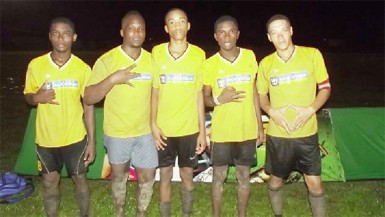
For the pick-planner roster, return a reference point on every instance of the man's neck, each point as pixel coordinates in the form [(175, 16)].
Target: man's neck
[(60, 58), (230, 55), (133, 52), (286, 54), (177, 48)]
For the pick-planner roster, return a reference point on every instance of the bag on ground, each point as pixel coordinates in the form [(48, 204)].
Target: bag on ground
[(14, 188)]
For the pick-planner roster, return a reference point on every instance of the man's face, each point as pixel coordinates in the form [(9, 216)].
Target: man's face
[(177, 25), (61, 36), (280, 33), (227, 35), (133, 31)]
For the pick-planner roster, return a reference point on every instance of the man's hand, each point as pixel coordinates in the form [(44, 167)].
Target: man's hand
[(261, 137), (45, 96), (124, 76), (230, 94), (158, 136), (89, 154), (201, 143), (303, 115), (278, 116)]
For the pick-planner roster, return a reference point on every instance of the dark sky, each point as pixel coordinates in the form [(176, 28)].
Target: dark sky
[(358, 25)]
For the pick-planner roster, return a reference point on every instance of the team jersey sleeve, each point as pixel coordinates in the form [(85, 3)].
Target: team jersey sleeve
[(31, 82), (321, 74), (254, 64), (200, 71), (99, 72), (155, 81), (262, 80), (87, 74), (207, 73)]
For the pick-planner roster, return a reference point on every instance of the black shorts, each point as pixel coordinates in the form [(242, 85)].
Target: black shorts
[(284, 155), (52, 159), (183, 147), (234, 153)]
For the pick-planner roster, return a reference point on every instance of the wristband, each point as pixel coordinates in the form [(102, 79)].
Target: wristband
[(216, 101)]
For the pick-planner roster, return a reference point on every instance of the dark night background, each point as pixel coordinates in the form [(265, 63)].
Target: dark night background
[(342, 26)]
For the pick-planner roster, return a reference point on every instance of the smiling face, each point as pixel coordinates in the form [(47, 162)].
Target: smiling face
[(133, 31), (61, 36), (177, 24), (280, 33), (226, 35)]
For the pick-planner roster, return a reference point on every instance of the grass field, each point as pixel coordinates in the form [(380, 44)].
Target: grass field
[(357, 80)]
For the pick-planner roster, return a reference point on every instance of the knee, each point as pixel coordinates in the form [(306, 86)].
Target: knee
[(219, 175), (274, 186), (314, 185), (51, 181), (165, 174), (243, 182), (316, 192), (275, 183), (119, 177)]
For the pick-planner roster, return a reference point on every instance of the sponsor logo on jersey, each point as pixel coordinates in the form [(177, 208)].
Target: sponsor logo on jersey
[(233, 79), (143, 77), (288, 78), (62, 84), (165, 78)]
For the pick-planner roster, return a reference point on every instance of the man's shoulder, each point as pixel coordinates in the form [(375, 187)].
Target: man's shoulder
[(159, 47), (79, 61), (197, 49), (306, 49), (110, 53), (40, 59), (268, 58), (212, 59)]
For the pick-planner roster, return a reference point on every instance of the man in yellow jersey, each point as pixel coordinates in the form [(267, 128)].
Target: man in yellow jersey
[(127, 132), (236, 130), (177, 109), (287, 83), (55, 83)]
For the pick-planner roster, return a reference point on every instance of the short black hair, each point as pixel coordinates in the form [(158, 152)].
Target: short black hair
[(174, 9), (63, 20), (223, 19), (131, 13), (276, 17)]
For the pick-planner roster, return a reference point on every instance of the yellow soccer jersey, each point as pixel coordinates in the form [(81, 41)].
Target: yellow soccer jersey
[(233, 122), (178, 81), (293, 82), (59, 125), (126, 108)]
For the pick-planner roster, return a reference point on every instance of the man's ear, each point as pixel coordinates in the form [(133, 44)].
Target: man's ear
[(121, 33), (268, 37), (165, 28), (75, 37)]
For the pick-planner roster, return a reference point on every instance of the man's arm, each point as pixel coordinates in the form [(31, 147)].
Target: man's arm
[(94, 93), (305, 113), (201, 141), (41, 96), (208, 98), (228, 94), (277, 115), (89, 118), (156, 131), (259, 115)]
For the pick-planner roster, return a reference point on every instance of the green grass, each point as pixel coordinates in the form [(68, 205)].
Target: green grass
[(345, 199)]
